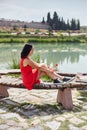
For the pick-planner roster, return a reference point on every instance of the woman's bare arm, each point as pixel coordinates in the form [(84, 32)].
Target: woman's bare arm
[(29, 61)]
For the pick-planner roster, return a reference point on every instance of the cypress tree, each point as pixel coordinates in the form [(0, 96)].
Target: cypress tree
[(73, 24), (68, 24), (58, 23), (48, 18), (78, 25), (55, 21), (43, 21), (62, 24)]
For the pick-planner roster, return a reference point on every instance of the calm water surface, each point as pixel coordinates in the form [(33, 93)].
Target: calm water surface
[(71, 57)]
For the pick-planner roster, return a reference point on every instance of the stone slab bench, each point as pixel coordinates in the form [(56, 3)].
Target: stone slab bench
[(64, 95)]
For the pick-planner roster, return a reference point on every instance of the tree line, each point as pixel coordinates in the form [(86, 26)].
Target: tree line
[(58, 23)]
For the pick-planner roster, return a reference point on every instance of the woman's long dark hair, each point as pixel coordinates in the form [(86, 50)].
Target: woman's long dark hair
[(25, 51)]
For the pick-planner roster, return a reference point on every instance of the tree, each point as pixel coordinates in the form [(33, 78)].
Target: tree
[(73, 24), (78, 25), (62, 24), (15, 27), (55, 21), (50, 30), (25, 27), (68, 24), (43, 21), (59, 24), (48, 18)]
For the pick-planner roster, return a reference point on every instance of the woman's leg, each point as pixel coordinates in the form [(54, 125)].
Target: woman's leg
[(50, 73), (40, 74), (53, 75)]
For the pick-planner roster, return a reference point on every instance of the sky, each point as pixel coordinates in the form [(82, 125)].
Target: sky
[(35, 10)]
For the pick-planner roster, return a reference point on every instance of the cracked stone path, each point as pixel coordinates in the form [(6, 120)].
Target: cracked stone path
[(38, 110)]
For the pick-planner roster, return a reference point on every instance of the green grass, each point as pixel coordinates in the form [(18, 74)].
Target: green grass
[(7, 38), (15, 64)]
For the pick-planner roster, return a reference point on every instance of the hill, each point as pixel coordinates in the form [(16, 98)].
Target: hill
[(17, 23)]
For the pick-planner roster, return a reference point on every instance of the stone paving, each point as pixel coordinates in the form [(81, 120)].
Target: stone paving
[(38, 110)]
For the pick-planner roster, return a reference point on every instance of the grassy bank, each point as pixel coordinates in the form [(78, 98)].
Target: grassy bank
[(7, 38)]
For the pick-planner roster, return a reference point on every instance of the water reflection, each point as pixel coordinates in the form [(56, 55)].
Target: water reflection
[(70, 57), (60, 57)]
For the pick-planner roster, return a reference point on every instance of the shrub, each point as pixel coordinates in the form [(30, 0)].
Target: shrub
[(15, 64)]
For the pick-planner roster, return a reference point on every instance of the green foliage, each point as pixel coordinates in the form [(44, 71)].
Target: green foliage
[(43, 40), (36, 58), (8, 38), (58, 23), (25, 27), (15, 27), (46, 78), (60, 39), (15, 64), (37, 31)]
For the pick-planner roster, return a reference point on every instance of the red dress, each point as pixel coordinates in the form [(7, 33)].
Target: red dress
[(29, 75)]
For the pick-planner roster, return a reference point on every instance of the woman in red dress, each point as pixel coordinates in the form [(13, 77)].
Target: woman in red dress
[(32, 71)]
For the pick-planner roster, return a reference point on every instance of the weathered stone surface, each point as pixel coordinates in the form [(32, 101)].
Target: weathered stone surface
[(54, 125), (23, 125), (2, 111), (36, 128), (15, 128), (84, 117), (76, 120), (74, 128), (60, 118), (84, 127), (43, 113), (45, 118), (38, 110), (9, 115), (35, 122), (85, 107), (11, 122), (68, 115), (3, 126)]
